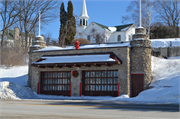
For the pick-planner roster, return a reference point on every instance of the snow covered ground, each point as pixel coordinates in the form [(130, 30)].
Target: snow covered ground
[(166, 76), (157, 43)]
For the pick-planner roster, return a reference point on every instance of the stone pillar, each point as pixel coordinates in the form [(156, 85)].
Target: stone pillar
[(16, 33), (75, 84), (38, 43), (141, 55)]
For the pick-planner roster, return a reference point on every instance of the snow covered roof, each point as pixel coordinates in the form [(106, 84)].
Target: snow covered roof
[(116, 28), (77, 59), (123, 27), (88, 46)]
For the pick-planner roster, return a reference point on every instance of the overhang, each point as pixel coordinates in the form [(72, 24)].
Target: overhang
[(77, 60)]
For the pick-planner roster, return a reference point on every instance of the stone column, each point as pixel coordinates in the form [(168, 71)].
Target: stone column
[(141, 55), (75, 83), (38, 43), (16, 33)]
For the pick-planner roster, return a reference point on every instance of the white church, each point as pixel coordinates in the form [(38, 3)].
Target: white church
[(98, 33)]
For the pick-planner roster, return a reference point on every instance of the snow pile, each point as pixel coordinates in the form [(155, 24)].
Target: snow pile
[(9, 90), (18, 75), (157, 43)]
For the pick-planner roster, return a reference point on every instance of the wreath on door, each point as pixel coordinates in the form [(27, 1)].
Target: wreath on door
[(75, 73)]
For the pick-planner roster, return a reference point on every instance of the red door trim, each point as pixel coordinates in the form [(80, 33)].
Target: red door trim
[(131, 81)]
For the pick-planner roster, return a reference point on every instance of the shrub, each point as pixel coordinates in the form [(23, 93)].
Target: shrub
[(81, 40)]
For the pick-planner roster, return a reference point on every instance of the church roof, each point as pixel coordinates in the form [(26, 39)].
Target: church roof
[(119, 28), (103, 26)]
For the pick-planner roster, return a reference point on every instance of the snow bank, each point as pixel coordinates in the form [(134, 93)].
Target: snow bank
[(166, 77), (18, 75), (157, 43), (9, 90)]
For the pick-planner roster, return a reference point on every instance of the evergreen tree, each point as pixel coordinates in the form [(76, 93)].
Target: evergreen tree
[(71, 29), (63, 19), (68, 25)]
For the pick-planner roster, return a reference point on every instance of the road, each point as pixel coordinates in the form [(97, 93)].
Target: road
[(51, 109)]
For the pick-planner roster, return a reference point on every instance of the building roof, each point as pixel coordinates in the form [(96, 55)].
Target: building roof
[(118, 28), (70, 60), (102, 26)]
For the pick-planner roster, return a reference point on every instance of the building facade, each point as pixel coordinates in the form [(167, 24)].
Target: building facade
[(105, 70)]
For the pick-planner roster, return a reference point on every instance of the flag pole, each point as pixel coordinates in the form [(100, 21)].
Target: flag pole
[(140, 14), (39, 22)]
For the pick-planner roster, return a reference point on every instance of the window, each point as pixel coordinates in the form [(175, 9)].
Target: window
[(83, 22), (86, 22), (119, 38), (80, 22), (89, 37), (129, 37)]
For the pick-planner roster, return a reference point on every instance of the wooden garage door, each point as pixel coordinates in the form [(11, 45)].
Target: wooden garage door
[(137, 84), (100, 83), (55, 83)]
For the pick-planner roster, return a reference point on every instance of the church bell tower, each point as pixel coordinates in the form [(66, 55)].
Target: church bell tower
[(83, 16)]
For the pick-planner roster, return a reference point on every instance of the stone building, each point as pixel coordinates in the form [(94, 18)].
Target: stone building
[(92, 70)]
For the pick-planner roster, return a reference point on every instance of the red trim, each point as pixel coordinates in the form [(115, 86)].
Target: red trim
[(118, 89), (79, 89), (131, 81), (37, 88), (70, 88)]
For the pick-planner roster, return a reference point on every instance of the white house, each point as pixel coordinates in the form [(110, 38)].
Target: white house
[(15, 35), (96, 32)]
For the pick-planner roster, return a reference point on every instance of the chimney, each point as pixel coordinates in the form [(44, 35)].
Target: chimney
[(16, 33)]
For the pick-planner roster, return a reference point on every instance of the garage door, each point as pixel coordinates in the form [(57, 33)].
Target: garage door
[(55, 83), (100, 83)]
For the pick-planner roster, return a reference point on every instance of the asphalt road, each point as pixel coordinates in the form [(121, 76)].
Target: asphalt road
[(42, 109)]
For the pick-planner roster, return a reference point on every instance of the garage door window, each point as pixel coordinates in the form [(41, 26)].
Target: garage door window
[(100, 81), (55, 83)]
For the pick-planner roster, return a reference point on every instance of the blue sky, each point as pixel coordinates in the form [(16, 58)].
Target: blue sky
[(106, 12)]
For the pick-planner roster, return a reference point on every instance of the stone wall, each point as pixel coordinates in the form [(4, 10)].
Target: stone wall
[(123, 69), (166, 51)]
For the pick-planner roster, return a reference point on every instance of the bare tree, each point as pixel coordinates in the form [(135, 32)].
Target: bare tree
[(48, 38), (98, 37), (9, 13), (30, 15), (148, 12), (169, 14)]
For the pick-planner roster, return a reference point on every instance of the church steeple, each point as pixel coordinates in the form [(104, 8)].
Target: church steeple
[(84, 16)]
